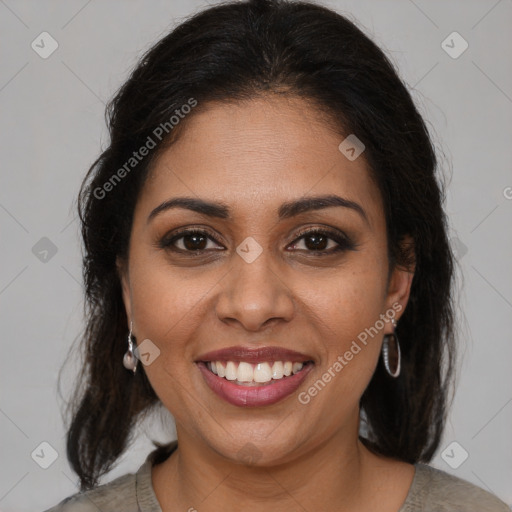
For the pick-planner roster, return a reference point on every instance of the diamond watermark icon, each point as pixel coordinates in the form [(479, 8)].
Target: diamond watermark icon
[(44, 250), (351, 147), (459, 248), (454, 45), (146, 352), (249, 249), (44, 45), (454, 455), (248, 454), (44, 455)]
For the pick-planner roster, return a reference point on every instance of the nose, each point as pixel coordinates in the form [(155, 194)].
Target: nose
[(254, 295)]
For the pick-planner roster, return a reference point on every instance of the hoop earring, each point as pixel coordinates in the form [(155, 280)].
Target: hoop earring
[(391, 352), (129, 359)]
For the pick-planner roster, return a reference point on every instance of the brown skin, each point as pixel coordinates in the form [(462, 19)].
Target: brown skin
[(254, 156)]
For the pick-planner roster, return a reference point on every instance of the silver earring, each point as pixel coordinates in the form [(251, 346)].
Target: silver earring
[(129, 359), (391, 353)]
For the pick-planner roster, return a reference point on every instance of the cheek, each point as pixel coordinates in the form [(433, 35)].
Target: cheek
[(344, 320), (164, 298), (350, 297), (347, 309), (163, 308)]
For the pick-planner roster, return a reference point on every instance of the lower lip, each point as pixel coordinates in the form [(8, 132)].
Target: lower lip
[(253, 396)]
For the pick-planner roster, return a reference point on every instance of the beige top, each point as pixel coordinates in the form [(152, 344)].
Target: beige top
[(432, 490)]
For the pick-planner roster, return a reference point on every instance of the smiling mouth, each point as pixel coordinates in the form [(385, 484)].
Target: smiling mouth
[(262, 373)]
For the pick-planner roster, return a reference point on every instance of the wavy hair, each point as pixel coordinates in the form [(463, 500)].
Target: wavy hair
[(232, 52)]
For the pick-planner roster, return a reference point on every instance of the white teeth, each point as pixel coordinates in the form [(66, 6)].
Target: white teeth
[(277, 370), (244, 372), (262, 373), (221, 369), (231, 370), (296, 367)]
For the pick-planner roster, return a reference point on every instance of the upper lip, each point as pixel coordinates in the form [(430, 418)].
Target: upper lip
[(254, 355)]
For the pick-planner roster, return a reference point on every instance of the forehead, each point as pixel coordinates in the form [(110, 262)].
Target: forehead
[(256, 154)]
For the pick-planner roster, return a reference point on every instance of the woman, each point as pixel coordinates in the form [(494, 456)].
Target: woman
[(266, 257)]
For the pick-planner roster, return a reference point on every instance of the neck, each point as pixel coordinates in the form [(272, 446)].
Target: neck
[(333, 474)]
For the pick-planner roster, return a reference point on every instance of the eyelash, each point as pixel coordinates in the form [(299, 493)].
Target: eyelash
[(344, 242)]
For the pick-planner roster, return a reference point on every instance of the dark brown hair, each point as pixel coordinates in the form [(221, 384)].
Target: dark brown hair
[(232, 52)]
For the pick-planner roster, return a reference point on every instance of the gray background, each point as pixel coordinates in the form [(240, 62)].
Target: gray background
[(53, 128)]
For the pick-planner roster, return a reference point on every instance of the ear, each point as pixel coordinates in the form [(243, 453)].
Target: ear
[(400, 282), (122, 272)]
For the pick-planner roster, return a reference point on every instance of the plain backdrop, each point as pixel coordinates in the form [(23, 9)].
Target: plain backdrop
[(52, 129)]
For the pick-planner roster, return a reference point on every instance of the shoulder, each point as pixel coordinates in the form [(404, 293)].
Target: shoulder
[(110, 497), (132, 492), (434, 490)]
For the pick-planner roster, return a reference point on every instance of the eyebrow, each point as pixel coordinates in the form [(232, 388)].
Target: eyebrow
[(286, 210)]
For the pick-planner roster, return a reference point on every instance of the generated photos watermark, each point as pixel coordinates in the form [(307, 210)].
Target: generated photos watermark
[(152, 140), (355, 348)]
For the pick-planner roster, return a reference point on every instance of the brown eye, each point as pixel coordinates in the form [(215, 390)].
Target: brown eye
[(323, 242), (190, 240), (194, 241), (314, 241)]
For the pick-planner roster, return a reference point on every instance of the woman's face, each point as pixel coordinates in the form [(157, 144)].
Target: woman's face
[(254, 280)]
